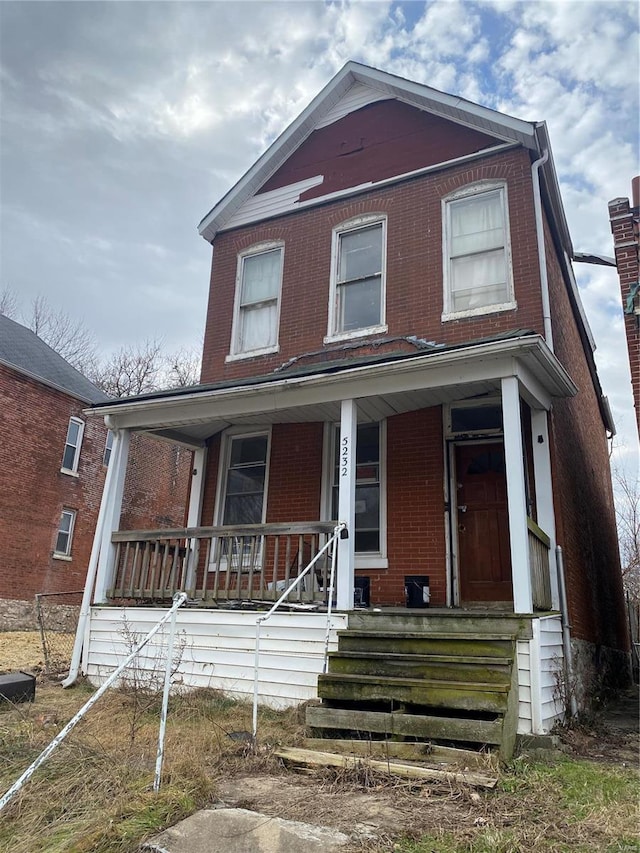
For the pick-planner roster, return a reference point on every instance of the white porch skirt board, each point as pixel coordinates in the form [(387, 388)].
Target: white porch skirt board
[(218, 648), (218, 652)]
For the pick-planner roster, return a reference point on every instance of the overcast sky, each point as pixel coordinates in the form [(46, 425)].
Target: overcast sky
[(123, 123)]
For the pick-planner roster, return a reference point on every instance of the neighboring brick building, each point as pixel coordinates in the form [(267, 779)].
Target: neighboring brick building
[(53, 461), (395, 339), (625, 227)]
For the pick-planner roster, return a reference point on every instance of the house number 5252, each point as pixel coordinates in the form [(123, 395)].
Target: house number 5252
[(344, 456)]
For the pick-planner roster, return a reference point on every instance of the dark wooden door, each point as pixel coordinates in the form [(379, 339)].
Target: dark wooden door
[(484, 553)]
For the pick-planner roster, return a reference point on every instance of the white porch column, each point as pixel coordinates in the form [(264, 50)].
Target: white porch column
[(196, 494), (110, 511), (544, 491), (516, 496), (347, 503)]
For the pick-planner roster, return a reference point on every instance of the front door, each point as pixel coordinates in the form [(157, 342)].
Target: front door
[(484, 558)]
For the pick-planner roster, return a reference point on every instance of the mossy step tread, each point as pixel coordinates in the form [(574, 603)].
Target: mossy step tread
[(470, 686), (424, 658), (398, 724), (427, 635)]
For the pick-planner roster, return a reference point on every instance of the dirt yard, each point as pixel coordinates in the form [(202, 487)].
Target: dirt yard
[(582, 798)]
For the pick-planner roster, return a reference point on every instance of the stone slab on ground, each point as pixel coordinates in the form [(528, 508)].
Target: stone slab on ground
[(226, 830)]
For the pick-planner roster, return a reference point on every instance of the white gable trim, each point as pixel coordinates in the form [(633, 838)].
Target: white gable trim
[(357, 97), (456, 109)]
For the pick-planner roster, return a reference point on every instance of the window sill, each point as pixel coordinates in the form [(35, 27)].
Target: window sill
[(477, 312), (375, 561), (255, 353), (69, 473), (64, 557), (355, 333)]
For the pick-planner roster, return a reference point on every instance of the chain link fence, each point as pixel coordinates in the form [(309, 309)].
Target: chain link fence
[(57, 615)]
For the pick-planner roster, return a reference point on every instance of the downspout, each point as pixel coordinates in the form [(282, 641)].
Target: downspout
[(542, 257), (85, 607), (566, 633)]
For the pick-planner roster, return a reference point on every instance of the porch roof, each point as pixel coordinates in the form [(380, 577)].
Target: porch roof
[(383, 385)]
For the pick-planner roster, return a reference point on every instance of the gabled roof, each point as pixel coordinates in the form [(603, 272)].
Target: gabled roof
[(325, 106), (25, 352)]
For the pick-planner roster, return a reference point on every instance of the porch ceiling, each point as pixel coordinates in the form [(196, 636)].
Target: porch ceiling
[(381, 389)]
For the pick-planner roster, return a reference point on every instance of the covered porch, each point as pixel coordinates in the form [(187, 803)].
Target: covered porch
[(478, 521)]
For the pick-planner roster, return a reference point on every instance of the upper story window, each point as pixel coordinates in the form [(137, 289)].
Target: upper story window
[(72, 445), (357, 298), (257, 302), (476, 252)]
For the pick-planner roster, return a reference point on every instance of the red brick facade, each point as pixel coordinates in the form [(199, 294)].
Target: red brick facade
[(416, 541), (33, 490), (625, 227)]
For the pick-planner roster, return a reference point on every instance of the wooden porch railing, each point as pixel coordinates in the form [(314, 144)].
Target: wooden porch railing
[(252, 562), (539, 544)]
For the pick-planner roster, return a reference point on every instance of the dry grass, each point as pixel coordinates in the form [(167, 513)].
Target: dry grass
[(21, 650)]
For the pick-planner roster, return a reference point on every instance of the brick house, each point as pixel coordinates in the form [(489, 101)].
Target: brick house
[(625, 227), (53, 462), (395, 342)]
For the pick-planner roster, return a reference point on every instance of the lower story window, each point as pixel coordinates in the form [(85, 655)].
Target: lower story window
[(367, 487), (65, 532), (243, 500)]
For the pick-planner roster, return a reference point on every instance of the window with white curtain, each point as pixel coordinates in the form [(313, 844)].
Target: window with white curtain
[(477, 262), (358, 278), (257, 301)]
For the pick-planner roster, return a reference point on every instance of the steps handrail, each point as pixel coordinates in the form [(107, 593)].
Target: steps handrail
[(178, 601), (337, 534)]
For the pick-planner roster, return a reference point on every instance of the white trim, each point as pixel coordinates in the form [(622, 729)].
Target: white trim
[(477, 188), (347, 504), (258, 249), (359, 223), (423, 97), (109, 514), (194, 512), (516, 496), (544, 492), (77, 446), (67, 558), (450, 433), (374, 560)]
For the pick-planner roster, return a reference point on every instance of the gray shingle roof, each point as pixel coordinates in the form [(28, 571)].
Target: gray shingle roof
[(23, 350)]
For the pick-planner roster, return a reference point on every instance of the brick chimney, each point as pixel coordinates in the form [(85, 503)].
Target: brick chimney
[(624, 220)]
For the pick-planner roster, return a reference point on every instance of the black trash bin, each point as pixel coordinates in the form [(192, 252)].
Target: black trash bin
[(416, 590)]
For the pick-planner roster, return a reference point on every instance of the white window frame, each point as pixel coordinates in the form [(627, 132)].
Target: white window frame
[(236, 353), (333, 333), (76, 456), (108, 447), (364, 559), (221, 487), (448, 201), (66, 554)]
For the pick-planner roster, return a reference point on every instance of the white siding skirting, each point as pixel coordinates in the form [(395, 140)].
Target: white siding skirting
[(541, 677), (217, 650)]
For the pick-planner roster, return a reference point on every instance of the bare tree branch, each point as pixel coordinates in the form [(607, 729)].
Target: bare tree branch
[(131, 370), (628, 520), (68, 337), (8, 303)]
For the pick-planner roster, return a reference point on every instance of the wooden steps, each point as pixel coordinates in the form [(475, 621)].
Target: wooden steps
[(406, 688)]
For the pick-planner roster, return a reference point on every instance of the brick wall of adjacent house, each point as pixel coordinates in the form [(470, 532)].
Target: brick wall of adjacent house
[(624, 221), (33, 490), (414, 267), (584, 507)]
